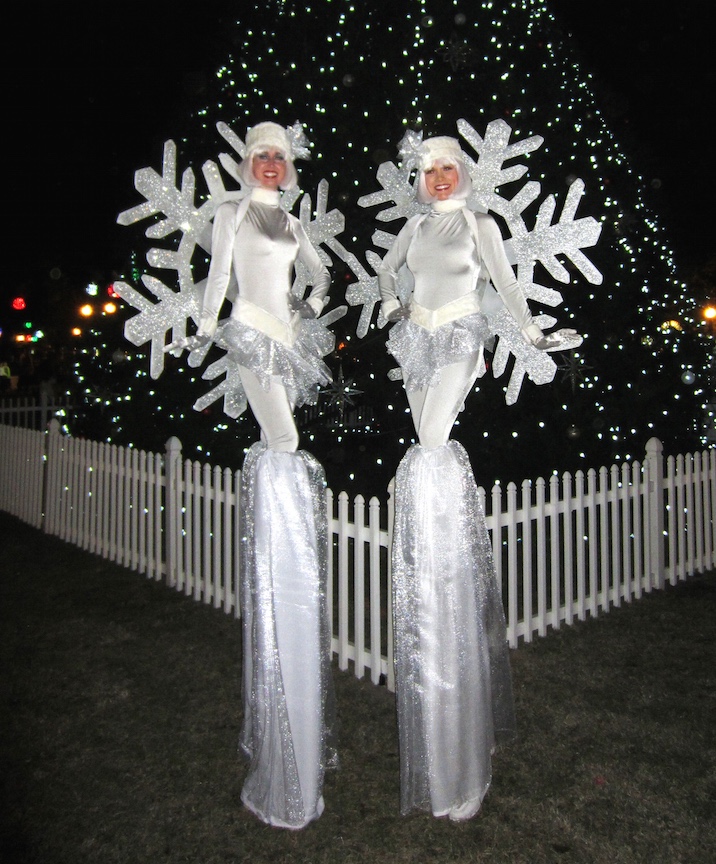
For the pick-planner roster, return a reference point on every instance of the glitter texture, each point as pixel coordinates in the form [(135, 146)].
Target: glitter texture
[(422, 353)]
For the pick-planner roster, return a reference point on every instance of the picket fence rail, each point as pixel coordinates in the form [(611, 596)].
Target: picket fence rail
[(565, 548), (32, 412)]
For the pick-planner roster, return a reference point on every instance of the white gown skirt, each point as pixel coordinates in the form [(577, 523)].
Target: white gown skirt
[(287, 731), (452, 667)]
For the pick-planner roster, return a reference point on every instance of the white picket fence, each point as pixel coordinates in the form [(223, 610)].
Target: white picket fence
[(565, 548), (32, 412)]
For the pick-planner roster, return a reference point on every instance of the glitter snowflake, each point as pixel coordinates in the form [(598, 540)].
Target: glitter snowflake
[(174, 305), (546, 241)]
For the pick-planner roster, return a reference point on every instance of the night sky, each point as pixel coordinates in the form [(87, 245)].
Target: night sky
[(92, 98)]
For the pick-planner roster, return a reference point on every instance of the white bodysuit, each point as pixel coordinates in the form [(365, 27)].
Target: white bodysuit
[(440, 346), (277, 351)]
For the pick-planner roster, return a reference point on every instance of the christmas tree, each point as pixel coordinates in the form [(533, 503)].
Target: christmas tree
[(358, 76)]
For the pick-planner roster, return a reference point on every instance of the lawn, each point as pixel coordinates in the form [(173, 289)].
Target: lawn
[(120, 706)]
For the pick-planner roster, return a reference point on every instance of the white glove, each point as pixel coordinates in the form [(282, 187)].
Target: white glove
[(559, 340), (399, 314), (303, 307), (186, 343)]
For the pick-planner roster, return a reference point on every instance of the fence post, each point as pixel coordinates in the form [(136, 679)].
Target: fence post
[(172, 506), (51, 492), (44, 409), (655, 461)]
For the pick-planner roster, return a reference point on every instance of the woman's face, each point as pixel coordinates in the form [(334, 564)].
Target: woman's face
[(441, 180), (269, 168)]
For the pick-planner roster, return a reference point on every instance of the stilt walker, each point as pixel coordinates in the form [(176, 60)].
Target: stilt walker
[(274, 342), (451, 656)]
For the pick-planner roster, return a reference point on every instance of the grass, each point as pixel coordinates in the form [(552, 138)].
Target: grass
[(120, 713)]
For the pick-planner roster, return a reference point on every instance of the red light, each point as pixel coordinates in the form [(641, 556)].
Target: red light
[(111, 291), (19, 303)]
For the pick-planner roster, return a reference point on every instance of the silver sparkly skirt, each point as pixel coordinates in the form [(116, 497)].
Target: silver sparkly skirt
[(299, 366), (422, 353)]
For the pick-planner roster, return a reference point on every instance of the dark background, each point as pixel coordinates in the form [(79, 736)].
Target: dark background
[(91, 97)]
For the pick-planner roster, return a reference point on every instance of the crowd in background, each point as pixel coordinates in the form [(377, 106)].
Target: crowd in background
[(33, 370)]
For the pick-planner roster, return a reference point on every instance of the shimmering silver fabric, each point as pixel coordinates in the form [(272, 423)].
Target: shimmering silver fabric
[(260, 248), (452, 667), (288, 727), (422, 353), (259, 245), (299, 366), (448, 261)]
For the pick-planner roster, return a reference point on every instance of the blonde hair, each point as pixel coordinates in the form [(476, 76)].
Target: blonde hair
[(464, 182)]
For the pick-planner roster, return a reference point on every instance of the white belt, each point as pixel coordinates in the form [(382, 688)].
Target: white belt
[(258, 318), (431, 319)]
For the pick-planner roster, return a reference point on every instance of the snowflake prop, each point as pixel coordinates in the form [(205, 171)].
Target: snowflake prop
[(545, 242), (172, 309)]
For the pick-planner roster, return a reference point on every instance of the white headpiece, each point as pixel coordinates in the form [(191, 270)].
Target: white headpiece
[(267, 135), (416, 153), (291, 141), (419, 154), (441, 147)]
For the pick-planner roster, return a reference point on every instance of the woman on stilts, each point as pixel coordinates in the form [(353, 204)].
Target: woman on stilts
[(451, 658), (276, 342)]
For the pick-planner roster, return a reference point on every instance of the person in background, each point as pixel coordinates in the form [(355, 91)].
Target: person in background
[(5, 377)]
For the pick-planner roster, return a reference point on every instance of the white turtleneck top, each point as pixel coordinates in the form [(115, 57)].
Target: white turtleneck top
[(262, 248)]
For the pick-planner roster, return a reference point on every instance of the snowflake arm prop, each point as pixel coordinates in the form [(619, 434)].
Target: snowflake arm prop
[(176, 203), (493, 151), (172, 312), (319, 230), (231, 388), (567, 237), (173, 309), (398, 188)]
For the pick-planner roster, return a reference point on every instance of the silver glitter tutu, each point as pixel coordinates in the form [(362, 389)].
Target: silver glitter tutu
[(289, 729), (453, 683), (421, 353), (299, 366)]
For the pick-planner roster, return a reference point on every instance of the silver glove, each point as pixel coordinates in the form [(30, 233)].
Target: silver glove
[(559, 340), (303, 307), (186, 343), (399, 314)]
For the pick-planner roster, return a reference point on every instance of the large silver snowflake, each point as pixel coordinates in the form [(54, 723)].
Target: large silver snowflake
[(545, 242), (175, 304)]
